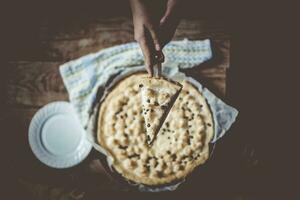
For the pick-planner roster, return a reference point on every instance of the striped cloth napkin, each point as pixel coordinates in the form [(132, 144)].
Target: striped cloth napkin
[(83, 76)]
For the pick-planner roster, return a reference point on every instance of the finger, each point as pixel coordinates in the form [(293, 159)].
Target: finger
[(159, 57), (155, 38), (171, 8), (148, 55), (166, 16)]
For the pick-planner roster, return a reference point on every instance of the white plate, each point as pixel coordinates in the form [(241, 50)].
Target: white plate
[(56, 136)]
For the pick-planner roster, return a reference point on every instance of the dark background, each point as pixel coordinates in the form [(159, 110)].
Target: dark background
[(262, 84)]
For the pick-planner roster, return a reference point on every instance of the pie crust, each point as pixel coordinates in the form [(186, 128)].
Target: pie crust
[(158, 96), (179, 147)]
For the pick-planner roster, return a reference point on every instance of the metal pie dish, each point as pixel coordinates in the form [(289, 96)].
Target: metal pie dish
[(102, 93)]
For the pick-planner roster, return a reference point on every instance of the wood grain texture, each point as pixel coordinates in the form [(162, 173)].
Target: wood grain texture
[(71, 40), (34, 84)]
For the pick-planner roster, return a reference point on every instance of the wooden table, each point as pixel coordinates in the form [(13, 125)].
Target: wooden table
[(33, 80)]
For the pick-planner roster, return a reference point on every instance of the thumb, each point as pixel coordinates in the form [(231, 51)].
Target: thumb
[(171, 11)]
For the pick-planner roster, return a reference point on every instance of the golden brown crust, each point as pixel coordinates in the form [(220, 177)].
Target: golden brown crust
[(180, 146), (157, 95)]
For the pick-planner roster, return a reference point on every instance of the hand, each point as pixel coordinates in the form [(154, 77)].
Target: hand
[(145, 31), (151, 31)]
